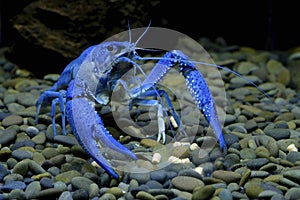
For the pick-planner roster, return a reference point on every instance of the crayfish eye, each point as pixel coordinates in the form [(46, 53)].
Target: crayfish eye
[(112, 49), (95, 70)]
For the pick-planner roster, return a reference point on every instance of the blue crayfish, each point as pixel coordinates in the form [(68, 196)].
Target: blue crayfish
[(90, 79)]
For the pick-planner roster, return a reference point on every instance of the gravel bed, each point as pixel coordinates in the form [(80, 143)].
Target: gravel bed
[(262, 130)]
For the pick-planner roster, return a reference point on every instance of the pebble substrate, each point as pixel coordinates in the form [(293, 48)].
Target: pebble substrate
[(263, 134)]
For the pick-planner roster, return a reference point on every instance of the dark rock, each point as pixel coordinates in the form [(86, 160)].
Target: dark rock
[(11, 185), (3, 172), (58, 31)]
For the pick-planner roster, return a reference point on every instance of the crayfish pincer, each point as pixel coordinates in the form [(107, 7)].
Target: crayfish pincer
[(91, 79)]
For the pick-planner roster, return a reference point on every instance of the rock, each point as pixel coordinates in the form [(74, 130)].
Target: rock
[(144, 196), (66, 177), (257, 163), (225, 194), (66, 195), (227, 176), (117, 192), (278, 133), (32, 190), (11, 185), (253, 189), (80, 194), (3, 172), (292, 193), (186, 183), (81, 183), (12, 120), (73, 31), (293, 174), (203, 193)]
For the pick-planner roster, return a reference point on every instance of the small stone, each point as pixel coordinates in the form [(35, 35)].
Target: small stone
[(293, 174), (66, 177), (66, 195), (253, 189), (149, 142), (32, 190), (257, 163), (144, 196), (51, 193), (11, 185), (186, 183), (81, 183), (203, 193), (262, 152), (227, 176), (17, 194), (32, 131), (225, 194), (247, 153), (245, 177), (3, 172), (159, 175), (46, 182), (93, 190), (39, 138), (12, 120), (80, 194), (107, 196), (21, 167), (117, 192), (22, 154), (292, 193), (278, 133), (140, 177), (293, 156)]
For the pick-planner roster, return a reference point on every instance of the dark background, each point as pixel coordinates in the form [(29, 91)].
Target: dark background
[(264, 24)]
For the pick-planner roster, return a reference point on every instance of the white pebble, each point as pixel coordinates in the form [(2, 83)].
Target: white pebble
[(174, 159), (185, 161), (173, 122), (292, 147), (194, 146), (199, 170), (156, 158)]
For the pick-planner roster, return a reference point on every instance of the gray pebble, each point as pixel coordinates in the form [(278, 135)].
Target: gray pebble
[(247, 153), (80, 194), (39, 138), (158, 175), (293, 174), (292, 194), (27, 99), (93, 190), (11, 185), (46, 182), (107, 196), (60, 185), (17, 194), (81, 183), (225, 195), (32, 131), (21, 154), (7, 136), (186, 183), (278, 133), (257, 163), (66, 139), (140, 177), (32, 190), (204, 192), (293, 156), (66, 195), (15, 107), (3, 172), (154, 184), (12, 120)]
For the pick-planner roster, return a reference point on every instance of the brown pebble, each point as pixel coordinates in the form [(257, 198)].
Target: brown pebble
[(227, 176), (12, 120)]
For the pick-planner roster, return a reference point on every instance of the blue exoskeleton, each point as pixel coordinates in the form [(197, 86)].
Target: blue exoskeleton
[(91, 77)]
